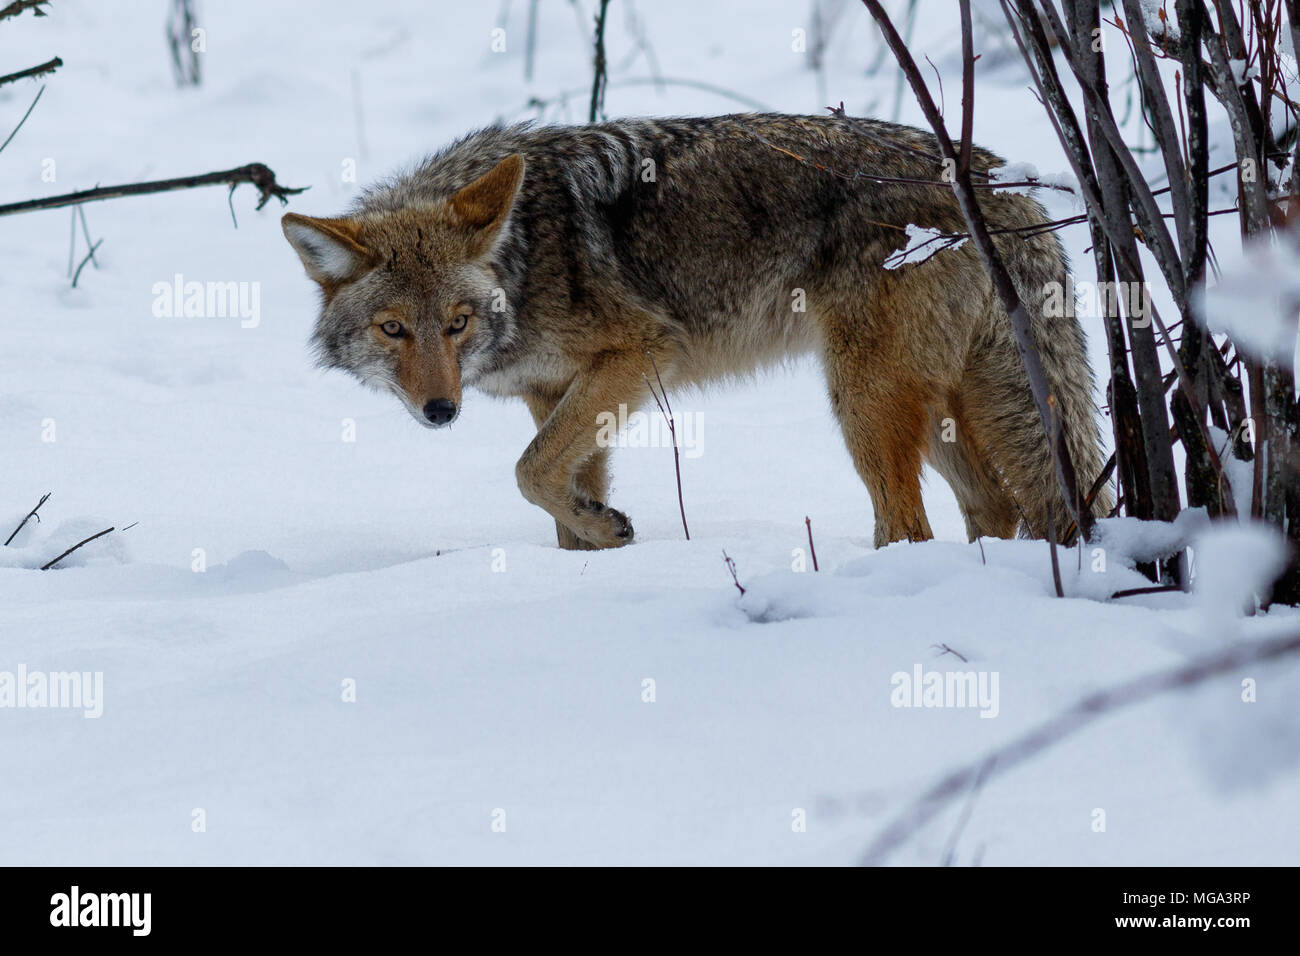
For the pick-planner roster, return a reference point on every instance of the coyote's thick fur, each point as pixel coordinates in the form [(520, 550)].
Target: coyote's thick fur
[(553, 264)]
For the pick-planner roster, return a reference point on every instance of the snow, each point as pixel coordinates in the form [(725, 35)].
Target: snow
[(1243, 72), (1233, 565), (922, 245), (1160, 19), (1256, 300), (335, 638)]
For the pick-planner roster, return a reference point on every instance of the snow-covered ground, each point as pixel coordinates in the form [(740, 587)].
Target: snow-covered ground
[(333, 637)]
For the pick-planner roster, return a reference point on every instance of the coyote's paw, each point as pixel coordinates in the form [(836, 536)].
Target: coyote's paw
[(598, 526)]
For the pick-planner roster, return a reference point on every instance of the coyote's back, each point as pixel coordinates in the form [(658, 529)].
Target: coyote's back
[(562, 264)]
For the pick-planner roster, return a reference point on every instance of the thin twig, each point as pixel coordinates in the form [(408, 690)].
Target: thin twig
[(666, 410), (945, 649), (601, 77), (31, 514), (811, 549), (85, 231), (731, 566), (89, 255), (24, 119)]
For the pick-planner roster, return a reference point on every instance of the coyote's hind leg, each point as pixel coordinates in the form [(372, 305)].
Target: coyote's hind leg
[(885, 420)]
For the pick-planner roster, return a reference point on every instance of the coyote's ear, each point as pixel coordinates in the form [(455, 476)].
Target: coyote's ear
[(485, 203), (329, 248)]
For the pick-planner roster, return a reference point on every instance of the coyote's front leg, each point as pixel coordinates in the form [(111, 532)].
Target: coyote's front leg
[(591, 480), (563, 469)]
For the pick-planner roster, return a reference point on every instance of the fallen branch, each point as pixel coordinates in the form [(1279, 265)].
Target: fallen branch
[(255, 174), (31, 71), (1084, 712), (30, 515), (1154, 589), (46, 567), (18, 6)]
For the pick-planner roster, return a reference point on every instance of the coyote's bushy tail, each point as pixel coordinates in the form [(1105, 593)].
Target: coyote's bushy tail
[(1039, 268)]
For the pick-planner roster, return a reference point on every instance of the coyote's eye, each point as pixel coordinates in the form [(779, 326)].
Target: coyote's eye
[(459, 321), (392, 327)]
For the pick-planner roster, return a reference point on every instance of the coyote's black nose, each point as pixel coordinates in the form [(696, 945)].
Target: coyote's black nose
[(440, 411)]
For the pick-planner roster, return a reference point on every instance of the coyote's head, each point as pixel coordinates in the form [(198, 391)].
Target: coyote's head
[(409, 294)]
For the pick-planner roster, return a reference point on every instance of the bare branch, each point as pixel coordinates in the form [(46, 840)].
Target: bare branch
[(1084, 712), (30, 515), (601, 67), (47, 67), (731, 566), (255, 174), (18, 6), (79, 544)]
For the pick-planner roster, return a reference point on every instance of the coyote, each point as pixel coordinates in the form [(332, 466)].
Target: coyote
[(565, 265)]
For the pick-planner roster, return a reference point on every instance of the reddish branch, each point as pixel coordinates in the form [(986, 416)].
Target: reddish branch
[(731, 566)]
